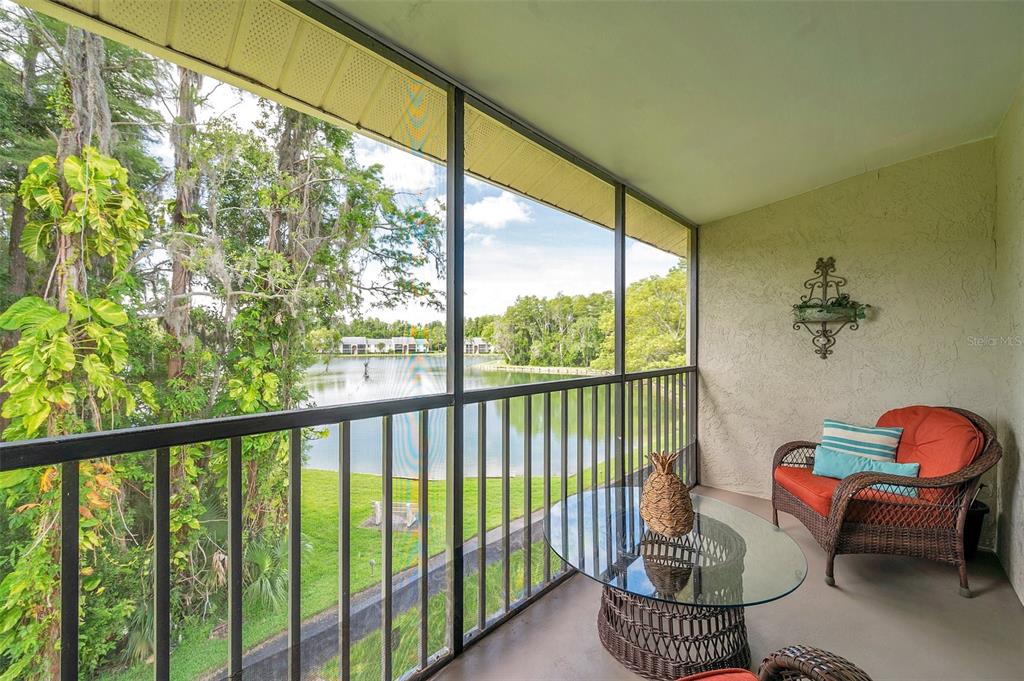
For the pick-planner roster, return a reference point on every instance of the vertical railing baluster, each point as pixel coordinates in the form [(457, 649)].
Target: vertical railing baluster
[(652, 397), (69, 570), (630, 433), (579, 476), (422, 523), (593, 473), (295, 556), (506, 544), (666, 411), (547, 484), (608, 467), (481, 516), (162, 564), (564, 396), (387, 522), (641, 454), (235, 559), (675, 411), (676, 421), (608, 436), (344, 553), (527, 496), (692, 469), (656, 398), (593, 438)]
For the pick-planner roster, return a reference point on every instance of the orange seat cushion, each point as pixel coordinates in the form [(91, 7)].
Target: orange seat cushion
[(722, 675), (814, 490), (940, 440)]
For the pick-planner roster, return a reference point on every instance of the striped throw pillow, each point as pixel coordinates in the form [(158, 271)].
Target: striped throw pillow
[(870, 442)]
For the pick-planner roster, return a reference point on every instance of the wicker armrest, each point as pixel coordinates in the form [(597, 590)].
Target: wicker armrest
[(793, 454), (795, 662), (850, 486)]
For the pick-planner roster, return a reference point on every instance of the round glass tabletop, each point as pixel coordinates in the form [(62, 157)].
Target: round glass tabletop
[(731, 558)]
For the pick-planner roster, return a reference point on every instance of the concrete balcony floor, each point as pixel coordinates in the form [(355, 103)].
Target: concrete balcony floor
[(898, 618)]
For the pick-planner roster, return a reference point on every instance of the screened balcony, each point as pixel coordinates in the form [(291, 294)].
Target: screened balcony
[(336, 337)]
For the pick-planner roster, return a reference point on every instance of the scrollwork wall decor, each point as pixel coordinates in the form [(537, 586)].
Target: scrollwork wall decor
[(825, 309)]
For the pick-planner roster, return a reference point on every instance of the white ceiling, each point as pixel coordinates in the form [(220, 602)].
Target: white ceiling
[(716, 108)]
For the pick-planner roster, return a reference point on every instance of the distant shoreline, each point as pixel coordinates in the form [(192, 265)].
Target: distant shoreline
[(496, 364)]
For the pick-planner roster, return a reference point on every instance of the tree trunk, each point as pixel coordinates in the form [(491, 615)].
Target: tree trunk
[(176, 317), (87, 116), (80, 122), (292, 144), (16, 263)]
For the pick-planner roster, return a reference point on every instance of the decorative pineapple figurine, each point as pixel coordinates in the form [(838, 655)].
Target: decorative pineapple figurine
[(665, 503)]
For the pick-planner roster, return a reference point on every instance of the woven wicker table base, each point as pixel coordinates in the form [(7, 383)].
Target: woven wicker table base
[(661, 640)]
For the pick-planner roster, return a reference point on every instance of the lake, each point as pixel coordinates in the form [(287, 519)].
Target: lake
[(344, 380)]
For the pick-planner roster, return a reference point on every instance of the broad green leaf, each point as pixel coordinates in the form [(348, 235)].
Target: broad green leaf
[(76, 308), (12, 478), (27, 313), (10, 618), (43, 166), (148, 393), (34, 240), (61, 353), (55, 323), (74, 173), (35, 420), (109, 311), (104, 165)]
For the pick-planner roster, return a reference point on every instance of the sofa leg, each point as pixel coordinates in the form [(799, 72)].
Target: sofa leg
[(829, 566), (775, 516), (965, 589)]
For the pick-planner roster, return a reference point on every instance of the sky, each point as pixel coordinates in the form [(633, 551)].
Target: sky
[(514, 246)]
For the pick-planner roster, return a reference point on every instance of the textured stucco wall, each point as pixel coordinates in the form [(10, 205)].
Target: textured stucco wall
[(915, 240), (1009, 279)]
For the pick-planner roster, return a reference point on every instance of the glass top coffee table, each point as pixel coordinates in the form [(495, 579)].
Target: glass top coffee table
[(674, 606)]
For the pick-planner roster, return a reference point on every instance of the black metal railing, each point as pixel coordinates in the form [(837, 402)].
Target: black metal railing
[(629, 415)]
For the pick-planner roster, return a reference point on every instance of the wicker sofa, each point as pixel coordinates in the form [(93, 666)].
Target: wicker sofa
[(867, 513), (792, 663)]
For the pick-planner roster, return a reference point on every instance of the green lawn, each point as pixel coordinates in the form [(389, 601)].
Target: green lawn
[(366, 653), (196, 653)]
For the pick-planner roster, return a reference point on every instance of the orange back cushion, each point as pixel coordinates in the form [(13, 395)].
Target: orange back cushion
[(940, 440)]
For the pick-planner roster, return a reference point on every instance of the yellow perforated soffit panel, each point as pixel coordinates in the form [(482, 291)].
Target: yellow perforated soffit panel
[(498, 154), (277, 52), (655, 228)]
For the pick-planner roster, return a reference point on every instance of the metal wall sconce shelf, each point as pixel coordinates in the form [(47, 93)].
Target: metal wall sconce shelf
[(825, 310)]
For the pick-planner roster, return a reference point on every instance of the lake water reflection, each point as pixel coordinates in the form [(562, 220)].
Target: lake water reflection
[(357, 379)]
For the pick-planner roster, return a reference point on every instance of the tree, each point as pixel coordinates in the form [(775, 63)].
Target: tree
[(263, 240), (64, 373), (176, 315), (655, 324)]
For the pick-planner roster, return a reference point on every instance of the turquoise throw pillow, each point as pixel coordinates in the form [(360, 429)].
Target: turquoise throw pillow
[(832, 464), (872, 442)]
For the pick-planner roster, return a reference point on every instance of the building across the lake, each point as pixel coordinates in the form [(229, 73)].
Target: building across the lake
[(353, 345), (403, 344), (476, 346), (358, 345)]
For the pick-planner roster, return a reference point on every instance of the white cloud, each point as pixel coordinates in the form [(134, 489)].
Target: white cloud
[(485, 240), (478, 185), (495, 212), (402, 171), (495, 277), (644, 261)]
